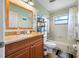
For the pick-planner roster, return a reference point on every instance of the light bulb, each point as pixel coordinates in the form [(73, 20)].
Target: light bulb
[(30, 3)]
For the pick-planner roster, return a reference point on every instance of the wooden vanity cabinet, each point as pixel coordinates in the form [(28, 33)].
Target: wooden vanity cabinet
[(28, 48)]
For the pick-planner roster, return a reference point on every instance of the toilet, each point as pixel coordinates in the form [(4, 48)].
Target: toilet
[(49, 46)]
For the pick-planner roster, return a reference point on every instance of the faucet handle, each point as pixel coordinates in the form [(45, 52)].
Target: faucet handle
[(23, 32)]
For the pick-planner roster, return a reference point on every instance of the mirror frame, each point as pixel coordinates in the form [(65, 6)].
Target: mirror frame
[(7, 17)]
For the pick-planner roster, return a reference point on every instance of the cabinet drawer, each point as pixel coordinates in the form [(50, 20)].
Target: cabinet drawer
[(38, 41), (13, 47), (23, 53), (34, 39)]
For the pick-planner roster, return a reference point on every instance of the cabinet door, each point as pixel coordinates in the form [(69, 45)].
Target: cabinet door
[(36, 50), (27, 52), (32, 51), (39, 50)]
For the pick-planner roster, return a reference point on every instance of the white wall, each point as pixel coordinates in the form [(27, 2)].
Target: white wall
[(78, 32), (78, 19), (2, 17)]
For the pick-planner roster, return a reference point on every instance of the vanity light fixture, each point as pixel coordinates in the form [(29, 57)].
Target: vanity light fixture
[(25, 0), (29, 2)]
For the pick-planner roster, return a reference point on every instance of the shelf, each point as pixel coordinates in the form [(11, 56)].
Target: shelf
[(40, 22), (42, 26)]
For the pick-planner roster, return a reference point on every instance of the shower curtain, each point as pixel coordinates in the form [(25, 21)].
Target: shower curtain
[(72, 28)]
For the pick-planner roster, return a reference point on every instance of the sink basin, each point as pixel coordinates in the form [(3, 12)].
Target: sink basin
[(15, 38), (22, 36)]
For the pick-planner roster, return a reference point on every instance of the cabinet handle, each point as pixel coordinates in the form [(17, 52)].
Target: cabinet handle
[(32, 46)]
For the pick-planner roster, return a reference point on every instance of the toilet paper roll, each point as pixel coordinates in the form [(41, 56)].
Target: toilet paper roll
[(75, 46)]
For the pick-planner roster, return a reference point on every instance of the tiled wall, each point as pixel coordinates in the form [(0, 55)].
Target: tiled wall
[(57, 31)]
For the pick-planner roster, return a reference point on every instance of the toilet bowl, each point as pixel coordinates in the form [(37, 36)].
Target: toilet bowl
[(50, 45)]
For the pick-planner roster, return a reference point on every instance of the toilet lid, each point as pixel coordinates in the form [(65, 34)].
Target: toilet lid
[(50, 43)]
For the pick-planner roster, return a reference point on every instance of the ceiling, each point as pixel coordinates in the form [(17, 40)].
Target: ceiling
[(58, 4)]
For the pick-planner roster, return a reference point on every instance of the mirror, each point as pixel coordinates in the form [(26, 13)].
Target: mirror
[(18, 17)]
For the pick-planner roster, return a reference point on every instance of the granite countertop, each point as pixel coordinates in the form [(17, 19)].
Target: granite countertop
[(14, 38)]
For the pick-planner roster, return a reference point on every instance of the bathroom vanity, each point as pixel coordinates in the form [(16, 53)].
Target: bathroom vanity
[(24, 46), (20, 17)]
